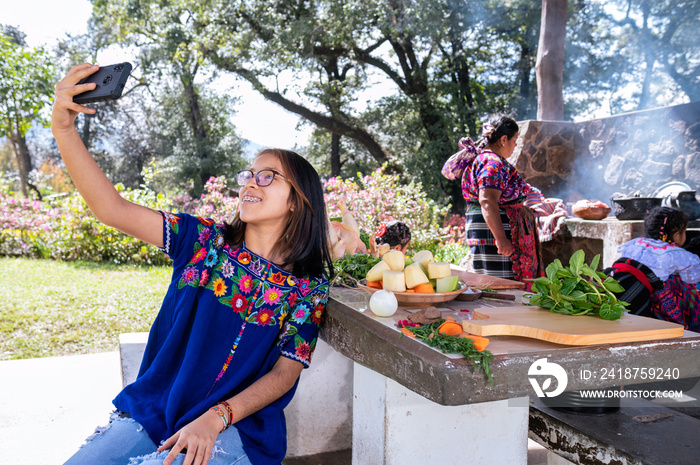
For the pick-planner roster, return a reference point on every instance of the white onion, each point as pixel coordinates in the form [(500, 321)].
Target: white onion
[(383, 303)]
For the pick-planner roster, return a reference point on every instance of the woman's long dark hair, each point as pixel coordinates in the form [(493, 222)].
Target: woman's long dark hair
[(503, 126), (304, 243), (663, 222)]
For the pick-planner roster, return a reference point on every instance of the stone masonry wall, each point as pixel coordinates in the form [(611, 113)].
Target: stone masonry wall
[(628, 153)]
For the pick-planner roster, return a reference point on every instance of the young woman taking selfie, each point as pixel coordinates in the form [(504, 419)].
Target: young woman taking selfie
[(240, 318)]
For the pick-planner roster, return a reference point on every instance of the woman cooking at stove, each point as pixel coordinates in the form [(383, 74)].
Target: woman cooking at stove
[(501, 231)]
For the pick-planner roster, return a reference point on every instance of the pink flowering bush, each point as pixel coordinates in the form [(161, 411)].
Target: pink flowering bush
[(215, 202), (455, 229), (63, 228), (22, 222), (80, 236), (379, 198)]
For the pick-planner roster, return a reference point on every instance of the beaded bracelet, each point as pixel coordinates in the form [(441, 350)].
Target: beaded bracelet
[(223, 417), (230, 412)]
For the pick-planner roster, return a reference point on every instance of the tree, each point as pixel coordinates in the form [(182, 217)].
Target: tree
[(664, 33), (7, 158), (447, 67), (168, 51), (550, 61), (443, 66), (174, 141), (391, 41), (26, 89), (631, 54)]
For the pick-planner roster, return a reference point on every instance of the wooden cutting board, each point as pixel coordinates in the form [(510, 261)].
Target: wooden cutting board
[(521, 320), (482, 281)]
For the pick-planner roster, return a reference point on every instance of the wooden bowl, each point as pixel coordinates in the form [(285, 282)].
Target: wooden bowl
[(590, 212), (412, 299)]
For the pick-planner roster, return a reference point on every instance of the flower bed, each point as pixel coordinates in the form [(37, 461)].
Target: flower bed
[(379, 198), (63, 228)]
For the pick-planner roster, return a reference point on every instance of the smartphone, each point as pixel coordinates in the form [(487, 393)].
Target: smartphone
[(110, 82)]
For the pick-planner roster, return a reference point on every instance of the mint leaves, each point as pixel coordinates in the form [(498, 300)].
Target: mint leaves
[(578, 289)]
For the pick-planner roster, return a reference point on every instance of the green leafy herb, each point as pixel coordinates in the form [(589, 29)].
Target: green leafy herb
[(578, 289), (364, 237), (353, 267), (453, 345)]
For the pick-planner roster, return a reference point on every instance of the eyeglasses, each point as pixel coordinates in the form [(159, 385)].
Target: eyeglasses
[(263, 177)]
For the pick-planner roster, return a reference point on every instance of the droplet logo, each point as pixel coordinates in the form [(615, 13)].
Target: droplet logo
[(542, 369)]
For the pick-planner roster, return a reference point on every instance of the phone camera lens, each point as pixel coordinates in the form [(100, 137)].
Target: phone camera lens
[(118, 67), (107, 80)]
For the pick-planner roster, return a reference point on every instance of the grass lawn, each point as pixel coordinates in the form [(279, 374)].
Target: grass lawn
[(50, 308)]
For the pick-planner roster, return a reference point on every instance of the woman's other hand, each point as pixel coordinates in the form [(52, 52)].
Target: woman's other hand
[(505, 247), (198, 437), (488, 199), (64, 109)]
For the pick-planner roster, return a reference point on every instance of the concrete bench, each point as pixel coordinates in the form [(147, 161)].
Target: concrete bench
[(319, 417), (640, 433)]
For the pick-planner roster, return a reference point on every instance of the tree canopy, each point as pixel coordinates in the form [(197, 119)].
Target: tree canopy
[(26, 86), (385, 82)]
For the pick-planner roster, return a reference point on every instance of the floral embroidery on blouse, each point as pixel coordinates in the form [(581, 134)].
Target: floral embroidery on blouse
[(173, 225), (227, 317), (253, 291), (244, 258), (488, 170), (219, 287)]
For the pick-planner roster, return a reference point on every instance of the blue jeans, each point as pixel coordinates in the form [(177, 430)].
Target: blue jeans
[(124, 442)]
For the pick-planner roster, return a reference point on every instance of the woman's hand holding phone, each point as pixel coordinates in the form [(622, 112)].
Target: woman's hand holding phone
[(87, 83), (110, 80), (65, 110), (97, 190)]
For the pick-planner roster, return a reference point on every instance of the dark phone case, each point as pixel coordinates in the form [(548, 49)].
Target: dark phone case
[(110, 83)]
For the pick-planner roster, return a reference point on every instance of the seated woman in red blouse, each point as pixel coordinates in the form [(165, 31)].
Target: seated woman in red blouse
[(501, 231)]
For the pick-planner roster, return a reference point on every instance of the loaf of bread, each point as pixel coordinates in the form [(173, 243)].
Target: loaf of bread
[(590, 209)]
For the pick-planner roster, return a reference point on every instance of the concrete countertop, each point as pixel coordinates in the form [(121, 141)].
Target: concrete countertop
[(611, 222), (356, 333)]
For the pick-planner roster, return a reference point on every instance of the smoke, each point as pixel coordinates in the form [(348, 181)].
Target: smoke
[(631, 154)]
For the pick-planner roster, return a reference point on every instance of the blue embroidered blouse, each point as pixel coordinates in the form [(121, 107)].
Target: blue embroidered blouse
[(226, 318)]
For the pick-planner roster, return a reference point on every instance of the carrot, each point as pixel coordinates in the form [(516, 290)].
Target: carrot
[(409, 290), (425, 288), (480, 343), (449, 318), (375, 284), (408, 332), (450, 328)]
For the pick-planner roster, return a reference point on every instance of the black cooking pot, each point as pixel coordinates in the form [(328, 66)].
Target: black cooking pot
[(634, 208), (685, 201)]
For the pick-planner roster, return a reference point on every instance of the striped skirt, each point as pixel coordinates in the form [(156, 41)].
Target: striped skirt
[(485, 257)]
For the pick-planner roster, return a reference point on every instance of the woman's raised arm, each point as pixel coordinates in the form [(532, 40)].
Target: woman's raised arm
[(99, 193)]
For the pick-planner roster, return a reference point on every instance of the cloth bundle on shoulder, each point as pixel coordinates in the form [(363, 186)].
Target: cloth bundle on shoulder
[(551, 213), (639, 283)]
